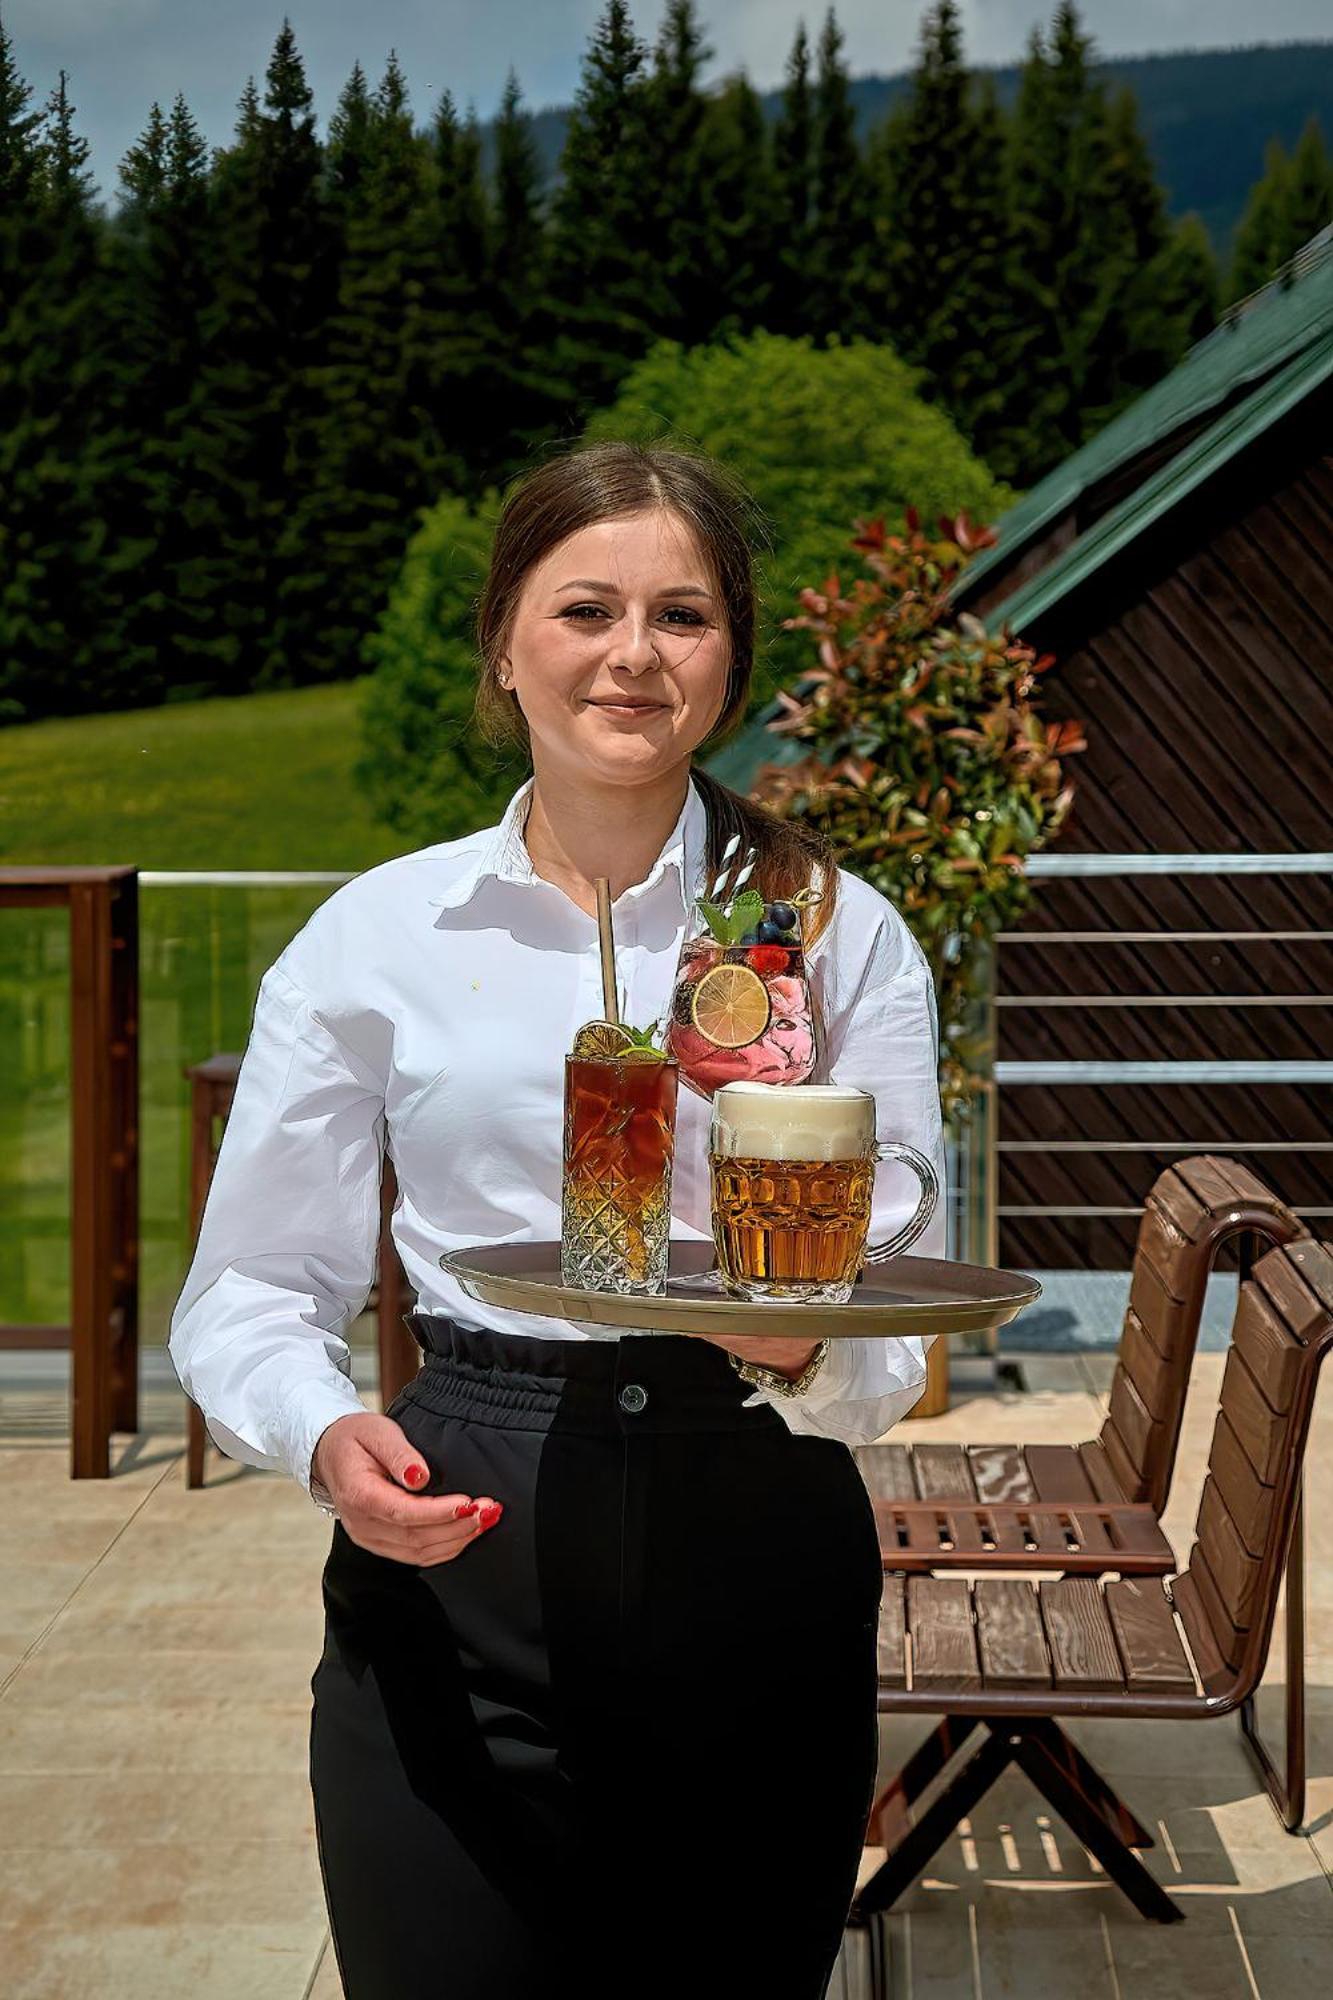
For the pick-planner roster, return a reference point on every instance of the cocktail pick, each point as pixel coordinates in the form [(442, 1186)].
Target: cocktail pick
[(605, 938)]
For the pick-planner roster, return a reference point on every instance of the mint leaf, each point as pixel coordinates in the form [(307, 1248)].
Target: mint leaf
[(745, 913), (716, 920)]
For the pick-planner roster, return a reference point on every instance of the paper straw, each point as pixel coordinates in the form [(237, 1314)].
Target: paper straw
[(610, 1009), (725, 869)]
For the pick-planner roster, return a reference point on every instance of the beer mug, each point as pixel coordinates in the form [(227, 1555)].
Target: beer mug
[(792, 1168)]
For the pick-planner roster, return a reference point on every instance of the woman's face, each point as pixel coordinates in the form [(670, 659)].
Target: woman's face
[(619, 652)]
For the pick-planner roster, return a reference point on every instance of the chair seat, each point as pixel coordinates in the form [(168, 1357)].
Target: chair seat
[(1004, 1645)]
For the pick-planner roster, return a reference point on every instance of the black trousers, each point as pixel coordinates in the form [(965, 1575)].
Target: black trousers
[(625, 1743)]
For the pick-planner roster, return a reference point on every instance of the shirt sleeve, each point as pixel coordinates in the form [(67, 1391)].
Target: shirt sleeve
[(287, 1245), (882, 1034)]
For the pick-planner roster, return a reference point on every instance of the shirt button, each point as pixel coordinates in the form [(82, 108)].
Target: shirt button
[(633, 1397)]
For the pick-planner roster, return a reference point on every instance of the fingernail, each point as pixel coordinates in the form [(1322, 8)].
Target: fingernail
[(416, 1475), (470, 1508), (490, 1515)]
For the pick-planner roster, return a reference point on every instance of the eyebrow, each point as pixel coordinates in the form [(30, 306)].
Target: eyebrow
[(673, 590)]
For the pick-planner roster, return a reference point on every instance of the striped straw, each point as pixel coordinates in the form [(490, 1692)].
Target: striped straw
[(725, 870)]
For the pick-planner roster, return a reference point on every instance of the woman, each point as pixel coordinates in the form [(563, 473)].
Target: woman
[(596, 1707)]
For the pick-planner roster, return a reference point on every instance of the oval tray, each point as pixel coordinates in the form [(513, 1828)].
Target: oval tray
[(906, 1295)]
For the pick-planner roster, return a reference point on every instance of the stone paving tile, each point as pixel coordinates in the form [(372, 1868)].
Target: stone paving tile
[(105, 1808), (229, 1960)]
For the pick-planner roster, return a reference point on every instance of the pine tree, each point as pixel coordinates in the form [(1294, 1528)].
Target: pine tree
[(1092, 328), (386, 442), (793, 177), (161, 290), (66, 561), (274, 280), (675, 114), (738, 200), (1310, 188), (837, 273), (20, 131), (532, 398), (606, 271), (1290, 204), (941, 232)]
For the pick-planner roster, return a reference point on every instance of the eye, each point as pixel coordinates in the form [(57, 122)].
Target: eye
[(678, 612)]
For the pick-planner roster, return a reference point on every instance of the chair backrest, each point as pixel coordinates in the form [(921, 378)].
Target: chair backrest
[(1190, 1211), (1228, 1594)]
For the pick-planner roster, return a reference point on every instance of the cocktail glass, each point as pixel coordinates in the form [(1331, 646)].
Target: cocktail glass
[(615, 1220), (742, 1013)]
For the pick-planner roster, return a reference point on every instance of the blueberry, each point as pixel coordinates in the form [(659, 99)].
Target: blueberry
[(783, 915), (753, 937), (769, 933)]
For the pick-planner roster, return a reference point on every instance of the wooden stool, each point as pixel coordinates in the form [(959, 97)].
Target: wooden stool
[(212, 1087), (103, 1334)]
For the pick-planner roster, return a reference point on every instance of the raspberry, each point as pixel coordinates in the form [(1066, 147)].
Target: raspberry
[(767, 959)]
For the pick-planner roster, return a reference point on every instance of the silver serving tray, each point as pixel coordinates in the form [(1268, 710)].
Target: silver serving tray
[(906, 1295)]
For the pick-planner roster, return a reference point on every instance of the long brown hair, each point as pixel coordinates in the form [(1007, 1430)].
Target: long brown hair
[(611, 480)]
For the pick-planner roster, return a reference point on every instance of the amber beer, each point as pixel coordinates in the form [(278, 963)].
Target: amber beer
[(793, 1171)]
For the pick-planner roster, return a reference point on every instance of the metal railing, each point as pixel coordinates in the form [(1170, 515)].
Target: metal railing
[(1010, 1073)]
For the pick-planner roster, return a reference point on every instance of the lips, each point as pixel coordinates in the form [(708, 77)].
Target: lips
[(646, 706)]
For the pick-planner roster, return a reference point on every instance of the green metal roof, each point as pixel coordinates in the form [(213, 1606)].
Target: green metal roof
[(1258, 341)]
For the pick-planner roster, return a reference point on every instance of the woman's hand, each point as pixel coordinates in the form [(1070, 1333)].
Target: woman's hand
[(365, 1462), (784, 1354)]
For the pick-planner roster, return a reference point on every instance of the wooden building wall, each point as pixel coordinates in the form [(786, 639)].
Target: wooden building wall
[(1202, 664)]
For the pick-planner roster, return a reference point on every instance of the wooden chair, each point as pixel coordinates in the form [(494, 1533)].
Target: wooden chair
[(212, 1087), (1094, 1508), (1002, 1655)]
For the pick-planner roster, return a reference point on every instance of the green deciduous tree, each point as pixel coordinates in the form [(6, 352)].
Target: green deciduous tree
[(776, 409)]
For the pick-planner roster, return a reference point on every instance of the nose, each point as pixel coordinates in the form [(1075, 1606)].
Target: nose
[(635, 649)]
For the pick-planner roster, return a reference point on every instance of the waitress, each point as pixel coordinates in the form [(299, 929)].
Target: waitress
[(596, 1710)]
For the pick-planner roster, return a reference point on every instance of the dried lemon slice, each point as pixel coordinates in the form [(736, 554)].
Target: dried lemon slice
[(730, 1007), (596, 1040)]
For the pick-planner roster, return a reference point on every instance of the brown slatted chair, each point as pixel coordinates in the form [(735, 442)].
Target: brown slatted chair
[(212, 1088), (1003, 1655), (1190, 1212), (1093, 1508)]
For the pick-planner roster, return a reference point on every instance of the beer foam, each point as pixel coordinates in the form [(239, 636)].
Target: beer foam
[(792, 1121)]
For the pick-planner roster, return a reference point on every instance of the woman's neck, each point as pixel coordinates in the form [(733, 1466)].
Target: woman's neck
[(574, 833)]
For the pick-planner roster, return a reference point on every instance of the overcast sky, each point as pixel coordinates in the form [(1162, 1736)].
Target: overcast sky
[(121, 54)]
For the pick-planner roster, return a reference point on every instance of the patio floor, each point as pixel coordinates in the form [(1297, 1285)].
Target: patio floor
[(156, 1648)]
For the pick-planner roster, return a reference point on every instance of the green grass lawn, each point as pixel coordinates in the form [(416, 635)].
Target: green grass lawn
[(261, 781)]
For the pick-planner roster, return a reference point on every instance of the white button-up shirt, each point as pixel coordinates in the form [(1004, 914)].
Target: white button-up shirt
[(429, 1005)]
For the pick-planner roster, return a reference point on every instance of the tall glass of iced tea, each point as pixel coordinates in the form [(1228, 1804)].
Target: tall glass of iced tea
[(793, 1172), (620, 1121)]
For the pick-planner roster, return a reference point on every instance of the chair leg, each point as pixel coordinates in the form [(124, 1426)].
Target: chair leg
[(924, 1837), (1088, 1825), (195, 1442), (1086, 1779), (1288, 1797), (889, 1813)]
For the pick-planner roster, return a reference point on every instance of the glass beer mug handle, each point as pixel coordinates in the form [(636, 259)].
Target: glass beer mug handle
[(896, 1149)]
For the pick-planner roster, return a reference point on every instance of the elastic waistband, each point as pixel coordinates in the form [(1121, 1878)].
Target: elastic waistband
[(674, 1382)]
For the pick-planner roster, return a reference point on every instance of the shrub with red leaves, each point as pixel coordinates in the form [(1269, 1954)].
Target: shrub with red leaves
[(930, 765)]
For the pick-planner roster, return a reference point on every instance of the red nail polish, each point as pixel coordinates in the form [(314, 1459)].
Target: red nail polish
[(416, 1475), (490, 1515), (470, 1508)]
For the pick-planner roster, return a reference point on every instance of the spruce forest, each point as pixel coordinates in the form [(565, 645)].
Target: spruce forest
[(228, 390)]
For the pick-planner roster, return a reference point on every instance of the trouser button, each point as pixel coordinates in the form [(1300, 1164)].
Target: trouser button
[(633, 1397)]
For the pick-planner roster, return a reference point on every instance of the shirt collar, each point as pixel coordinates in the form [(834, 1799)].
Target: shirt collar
[(501, 855)]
